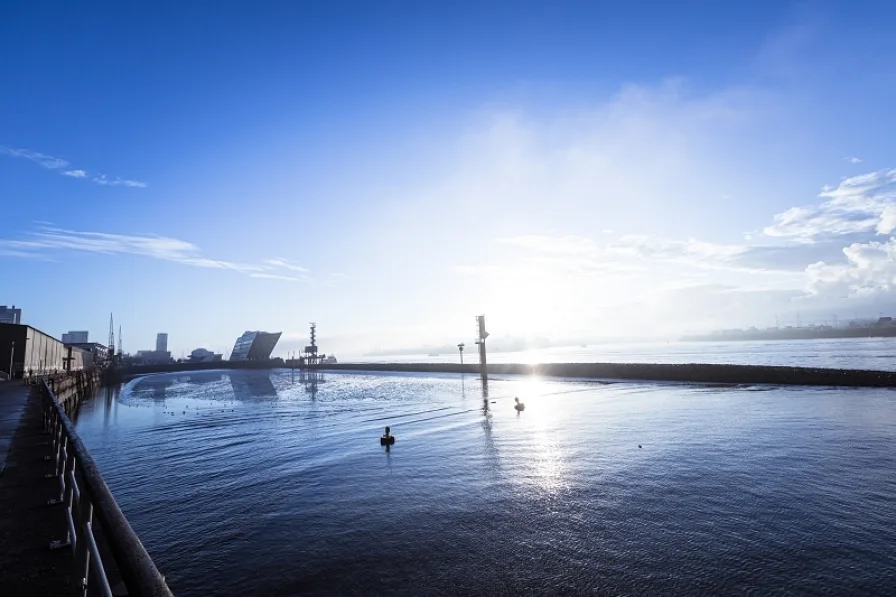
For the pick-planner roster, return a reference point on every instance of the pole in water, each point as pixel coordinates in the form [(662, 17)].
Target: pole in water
[(481, 336)]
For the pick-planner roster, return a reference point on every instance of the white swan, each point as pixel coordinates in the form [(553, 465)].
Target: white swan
[(519, 405)]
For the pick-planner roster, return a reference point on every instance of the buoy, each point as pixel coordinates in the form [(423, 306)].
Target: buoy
[(639, 445), (519, 406), (387, 440)]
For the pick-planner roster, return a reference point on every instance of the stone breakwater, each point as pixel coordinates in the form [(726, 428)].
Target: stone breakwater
[(684, 373)]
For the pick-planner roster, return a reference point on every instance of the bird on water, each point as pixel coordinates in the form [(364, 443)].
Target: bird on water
[(519, 406)]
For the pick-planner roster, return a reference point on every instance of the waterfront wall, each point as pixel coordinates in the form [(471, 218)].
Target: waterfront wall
[(684, 373), (73, 388)]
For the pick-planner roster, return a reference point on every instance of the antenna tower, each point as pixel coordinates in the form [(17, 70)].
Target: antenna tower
[(111, 337)]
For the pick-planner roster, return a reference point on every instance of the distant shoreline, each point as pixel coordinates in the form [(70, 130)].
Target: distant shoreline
[(793, 334)]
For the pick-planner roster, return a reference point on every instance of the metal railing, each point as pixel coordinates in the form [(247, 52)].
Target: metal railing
[(85, 496)]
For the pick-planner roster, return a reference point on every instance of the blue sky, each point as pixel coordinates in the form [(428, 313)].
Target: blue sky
[(391, 169)]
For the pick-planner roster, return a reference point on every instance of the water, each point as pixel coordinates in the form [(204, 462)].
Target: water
[(260, 483), (848, 353)]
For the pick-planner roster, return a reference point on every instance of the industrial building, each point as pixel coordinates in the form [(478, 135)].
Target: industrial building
[(99, 352), (75, 338), (26, 350), (10, 314), (254, 346)]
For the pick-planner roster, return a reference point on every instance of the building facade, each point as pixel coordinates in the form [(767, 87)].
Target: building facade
[(254, 346), (75, 338), (201, 355), (10, 314), (99, 352), (161, 342), (153, 357), (25, 350)]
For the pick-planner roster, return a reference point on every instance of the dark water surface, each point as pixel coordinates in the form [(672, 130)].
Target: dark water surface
[(255, 483)]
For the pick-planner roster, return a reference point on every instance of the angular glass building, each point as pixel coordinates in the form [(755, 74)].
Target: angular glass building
[(254, 346)]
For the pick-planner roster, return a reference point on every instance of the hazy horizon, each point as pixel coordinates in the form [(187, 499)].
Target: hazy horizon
[(571, 170)]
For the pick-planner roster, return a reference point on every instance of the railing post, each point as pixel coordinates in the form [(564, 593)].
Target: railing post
[(65, 496)]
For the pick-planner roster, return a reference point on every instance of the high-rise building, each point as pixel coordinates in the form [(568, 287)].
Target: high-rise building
[(254, 346), (75, 338), (10, 315), (162, 343)]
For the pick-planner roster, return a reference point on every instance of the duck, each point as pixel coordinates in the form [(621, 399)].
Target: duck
[(386, 439), (519, 406)]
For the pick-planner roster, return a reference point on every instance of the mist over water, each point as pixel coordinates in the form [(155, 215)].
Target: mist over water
[(263, 483)]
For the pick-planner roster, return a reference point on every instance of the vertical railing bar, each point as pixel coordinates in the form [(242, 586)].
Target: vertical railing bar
[(82, 553), (68, 496), (99, 572)]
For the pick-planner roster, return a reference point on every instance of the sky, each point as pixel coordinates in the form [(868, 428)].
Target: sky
[(389, 170)]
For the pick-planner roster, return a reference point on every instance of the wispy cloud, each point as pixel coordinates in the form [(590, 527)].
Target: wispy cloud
[(278, 277), (64, 167), (117, 182), (286, 264), (852, 160), (46, 161), (48, 242)]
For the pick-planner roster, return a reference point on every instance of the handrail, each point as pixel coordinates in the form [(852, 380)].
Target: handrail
[(85, 494)]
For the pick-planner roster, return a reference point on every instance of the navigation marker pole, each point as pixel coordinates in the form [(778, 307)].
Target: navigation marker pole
[(482, 335)]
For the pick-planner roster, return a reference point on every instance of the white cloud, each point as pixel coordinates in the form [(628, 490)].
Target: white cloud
[(861, 203), (49, 241), (64, 168), (852, 160), (870, 270)]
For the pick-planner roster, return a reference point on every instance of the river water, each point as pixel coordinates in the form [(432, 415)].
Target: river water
[(268, 483)]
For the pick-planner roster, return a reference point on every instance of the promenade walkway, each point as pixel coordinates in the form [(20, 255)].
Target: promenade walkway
[(13, 396), (27, 524)]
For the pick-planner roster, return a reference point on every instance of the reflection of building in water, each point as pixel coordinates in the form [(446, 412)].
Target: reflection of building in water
[(249, 384), (310, 379), (201, 377), (156, 388)]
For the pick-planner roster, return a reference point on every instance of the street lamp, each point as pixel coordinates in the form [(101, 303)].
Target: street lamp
[(460, 349), (12, 353)]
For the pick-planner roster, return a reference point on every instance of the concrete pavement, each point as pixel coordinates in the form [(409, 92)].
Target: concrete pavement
[(13, 397)]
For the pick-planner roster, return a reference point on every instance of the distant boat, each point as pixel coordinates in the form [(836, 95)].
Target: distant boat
[(432, 355), (330, 360)]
